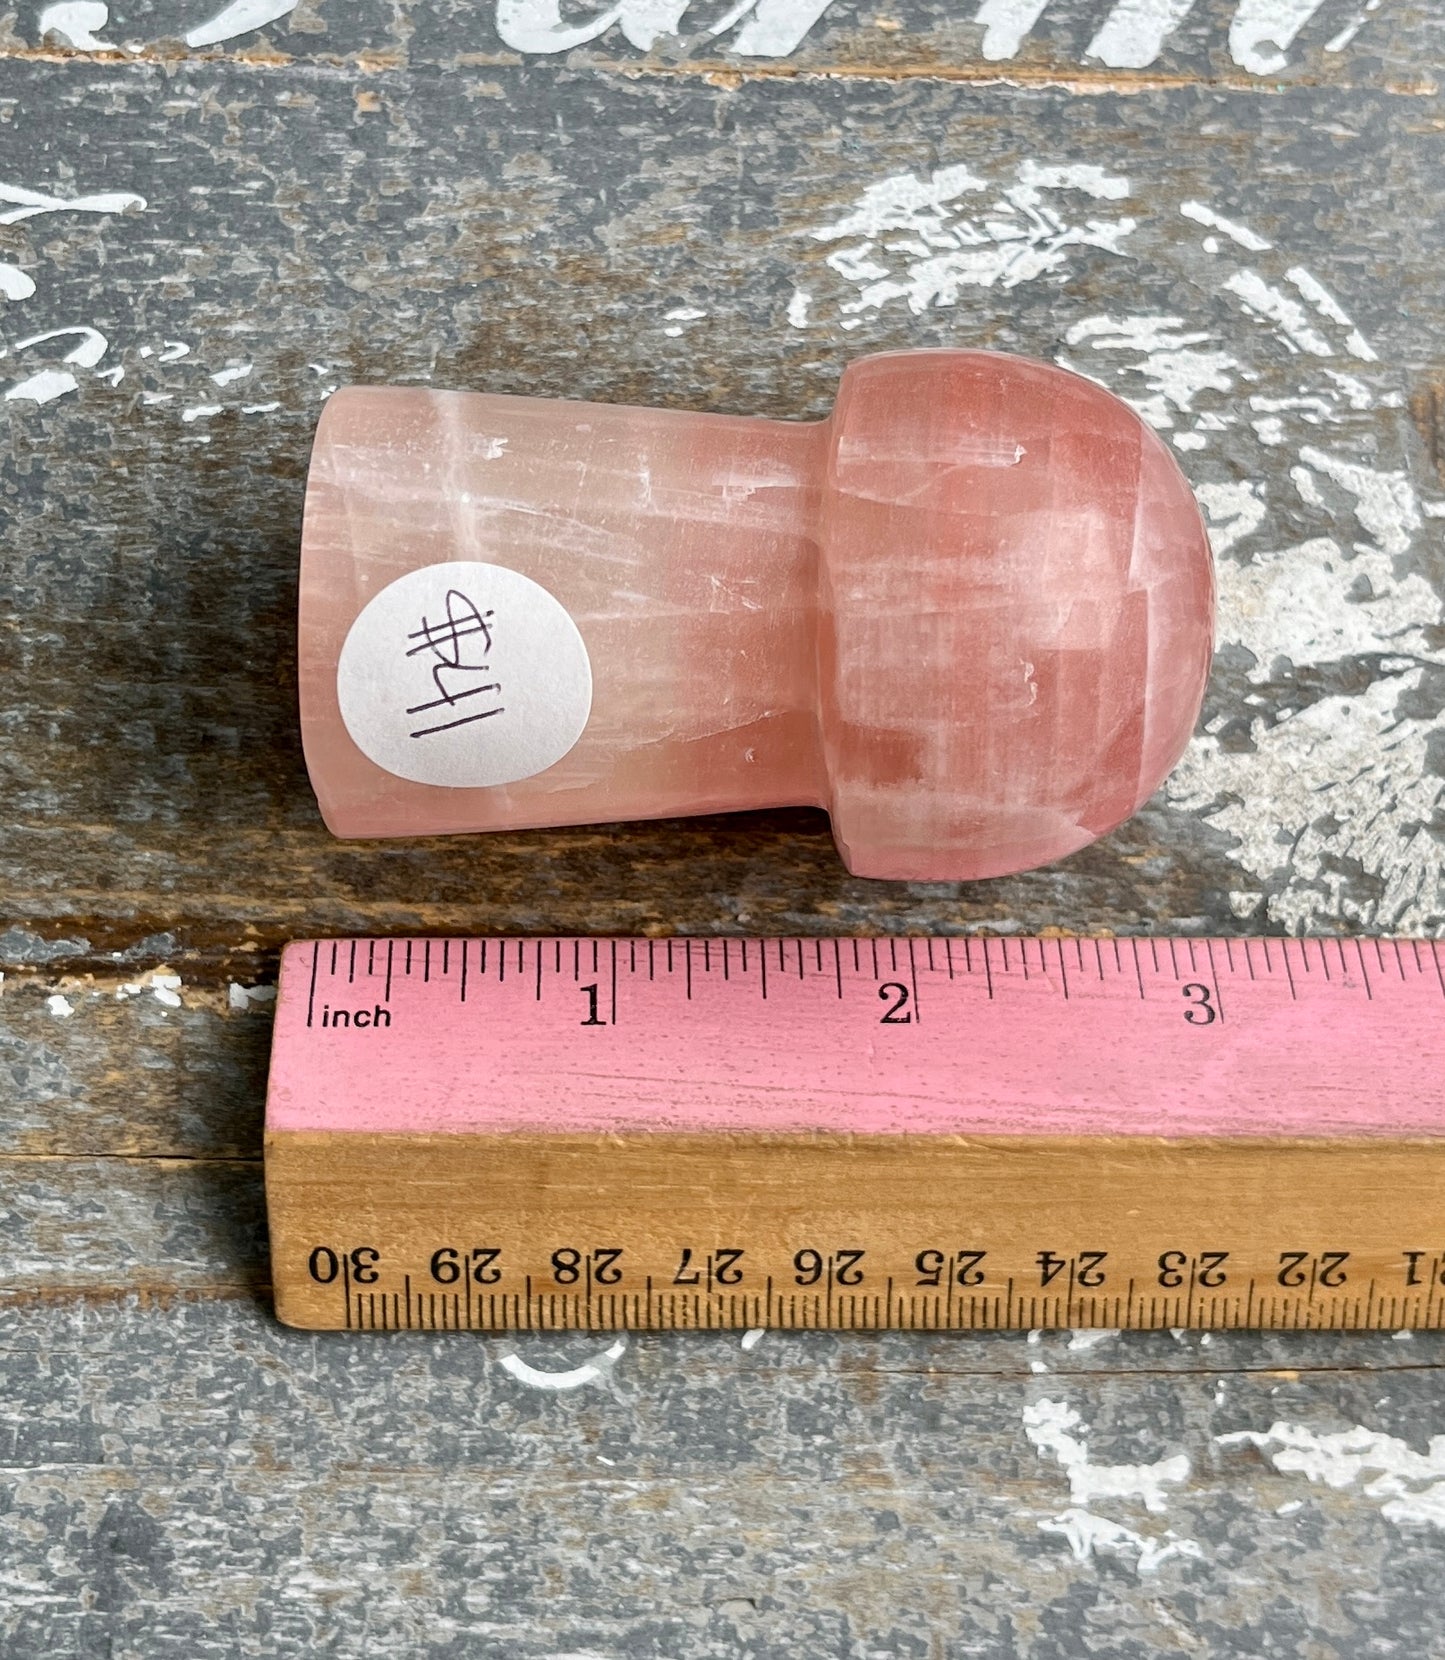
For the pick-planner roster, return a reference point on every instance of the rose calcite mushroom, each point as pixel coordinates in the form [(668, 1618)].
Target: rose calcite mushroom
[(970, 613)]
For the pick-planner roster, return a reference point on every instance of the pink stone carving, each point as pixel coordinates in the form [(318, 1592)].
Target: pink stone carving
[(970, 613)]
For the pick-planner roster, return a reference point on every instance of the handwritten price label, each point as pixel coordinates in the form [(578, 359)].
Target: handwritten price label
[(464, 674)]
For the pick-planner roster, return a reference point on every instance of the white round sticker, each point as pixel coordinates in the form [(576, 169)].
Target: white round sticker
[(464, 674)]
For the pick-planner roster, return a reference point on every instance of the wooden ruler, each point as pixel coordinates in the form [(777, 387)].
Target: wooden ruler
[(865, 1133)]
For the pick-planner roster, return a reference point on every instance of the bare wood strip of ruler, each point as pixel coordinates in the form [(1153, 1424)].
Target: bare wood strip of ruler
[(925, 1134)]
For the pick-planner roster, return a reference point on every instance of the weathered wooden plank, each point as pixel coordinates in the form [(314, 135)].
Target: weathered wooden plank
[(193, 1480), (486, 229), (132, 1068), (1087, 43), (98, 1227)]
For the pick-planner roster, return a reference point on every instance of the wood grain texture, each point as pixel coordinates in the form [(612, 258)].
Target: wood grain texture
[(862, 1213), (396, 193), (195, 1480)]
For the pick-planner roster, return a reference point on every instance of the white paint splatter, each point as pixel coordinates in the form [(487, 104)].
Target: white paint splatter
[(1174, 372), (1287, 604), (76, 22), (233, 372), (1053, 1427), (775, 27), (1133, 34), (1385, 503), (1234, 511), (1288, 315), (1203, 215), (48, 384), (61, 1007), (241, 17), (1086, 1533), (591, 1371), (14, 283), (537, 25), (1317, 294), (172, 351), (1356, 393), (1005, 23), (1105, 332), (29, 203), (259, 408), (1337, 43), (1094, 181), (798, 309), (241, 998), (160, 983), (1328, 306), (731, 17), (1409, 1484), (201, 411), (1347, 782), (910, 240), (45, 386), (87, 352), (1091, 1339), (679, 315), (903, 202), (753, 1336), (1267, 22)]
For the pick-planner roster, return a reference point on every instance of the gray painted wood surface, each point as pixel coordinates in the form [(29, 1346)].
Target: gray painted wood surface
[(711, 220)]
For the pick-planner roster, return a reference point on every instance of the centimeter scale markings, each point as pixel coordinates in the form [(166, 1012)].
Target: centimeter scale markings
[(928, 1134)]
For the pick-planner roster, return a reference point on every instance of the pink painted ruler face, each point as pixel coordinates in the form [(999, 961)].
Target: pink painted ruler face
[(923, 1037)]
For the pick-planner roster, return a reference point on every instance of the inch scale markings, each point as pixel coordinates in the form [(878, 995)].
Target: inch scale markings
[(924, 1134)]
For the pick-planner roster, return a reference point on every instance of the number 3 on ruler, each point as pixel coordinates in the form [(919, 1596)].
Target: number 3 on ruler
[(1201, 1011)]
